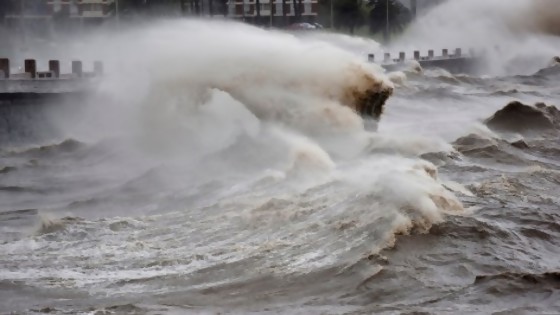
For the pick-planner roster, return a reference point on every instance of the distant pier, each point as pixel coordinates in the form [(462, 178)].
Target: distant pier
[(455, 62)]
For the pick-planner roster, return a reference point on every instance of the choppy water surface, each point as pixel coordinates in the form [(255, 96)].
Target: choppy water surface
[(235, 183)]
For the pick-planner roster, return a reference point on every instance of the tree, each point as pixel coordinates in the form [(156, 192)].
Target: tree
[(272, 12), (349, 14), (63, 14), (284, 12), (211, 7), (4, 8), (224, 7), (131, 7), (398, 16), (294, 3), (183, 5), (258, 5)]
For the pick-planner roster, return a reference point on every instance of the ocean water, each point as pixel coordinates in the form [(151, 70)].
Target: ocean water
[(221, 169)]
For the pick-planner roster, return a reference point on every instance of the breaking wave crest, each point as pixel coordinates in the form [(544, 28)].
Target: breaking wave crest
[(276, 76)]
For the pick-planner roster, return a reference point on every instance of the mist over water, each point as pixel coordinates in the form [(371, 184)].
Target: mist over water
[(517, 36), (223, 168)]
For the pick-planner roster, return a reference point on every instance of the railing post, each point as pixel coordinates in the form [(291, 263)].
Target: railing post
[(5, 67), (445, 52), (402, 56), (98, 68), (54, 68), (431, 54), (416, 55), (387, 57), (30, 66), (371, 57), (458, 52), (77, 68)]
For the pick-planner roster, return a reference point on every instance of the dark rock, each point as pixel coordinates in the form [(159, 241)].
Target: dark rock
[(520, 144), (518, 117)]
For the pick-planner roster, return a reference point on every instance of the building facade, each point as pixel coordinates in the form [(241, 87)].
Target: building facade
[(42, 17), (305, 10), (70, 8), (88, 9)]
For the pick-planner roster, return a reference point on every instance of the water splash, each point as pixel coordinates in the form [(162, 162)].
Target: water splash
[(514, 34)]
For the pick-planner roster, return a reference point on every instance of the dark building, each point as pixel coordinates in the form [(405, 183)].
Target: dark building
[(42, 17)]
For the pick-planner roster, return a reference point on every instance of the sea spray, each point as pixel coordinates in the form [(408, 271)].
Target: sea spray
[(277, 76), (513, 35)]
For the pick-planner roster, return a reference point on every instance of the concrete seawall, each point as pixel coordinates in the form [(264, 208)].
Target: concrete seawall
[(32, 102), (37, 86)]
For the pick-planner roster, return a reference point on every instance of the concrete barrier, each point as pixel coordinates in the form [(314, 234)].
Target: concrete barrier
[(98, 68), (30, 66), (54, 68), (40, 87), (387, 57), (4, 68), (77, 68), (430, 54), (31, 71), (28, 100), (455, 62)]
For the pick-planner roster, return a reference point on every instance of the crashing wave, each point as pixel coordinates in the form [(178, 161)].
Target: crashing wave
[(277, 77), (361, 91), (49, 225)]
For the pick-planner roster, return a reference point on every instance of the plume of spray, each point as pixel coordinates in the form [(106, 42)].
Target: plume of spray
[(203, 83), (514, 34), (274, 75), (361, 46), (543, 16)]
